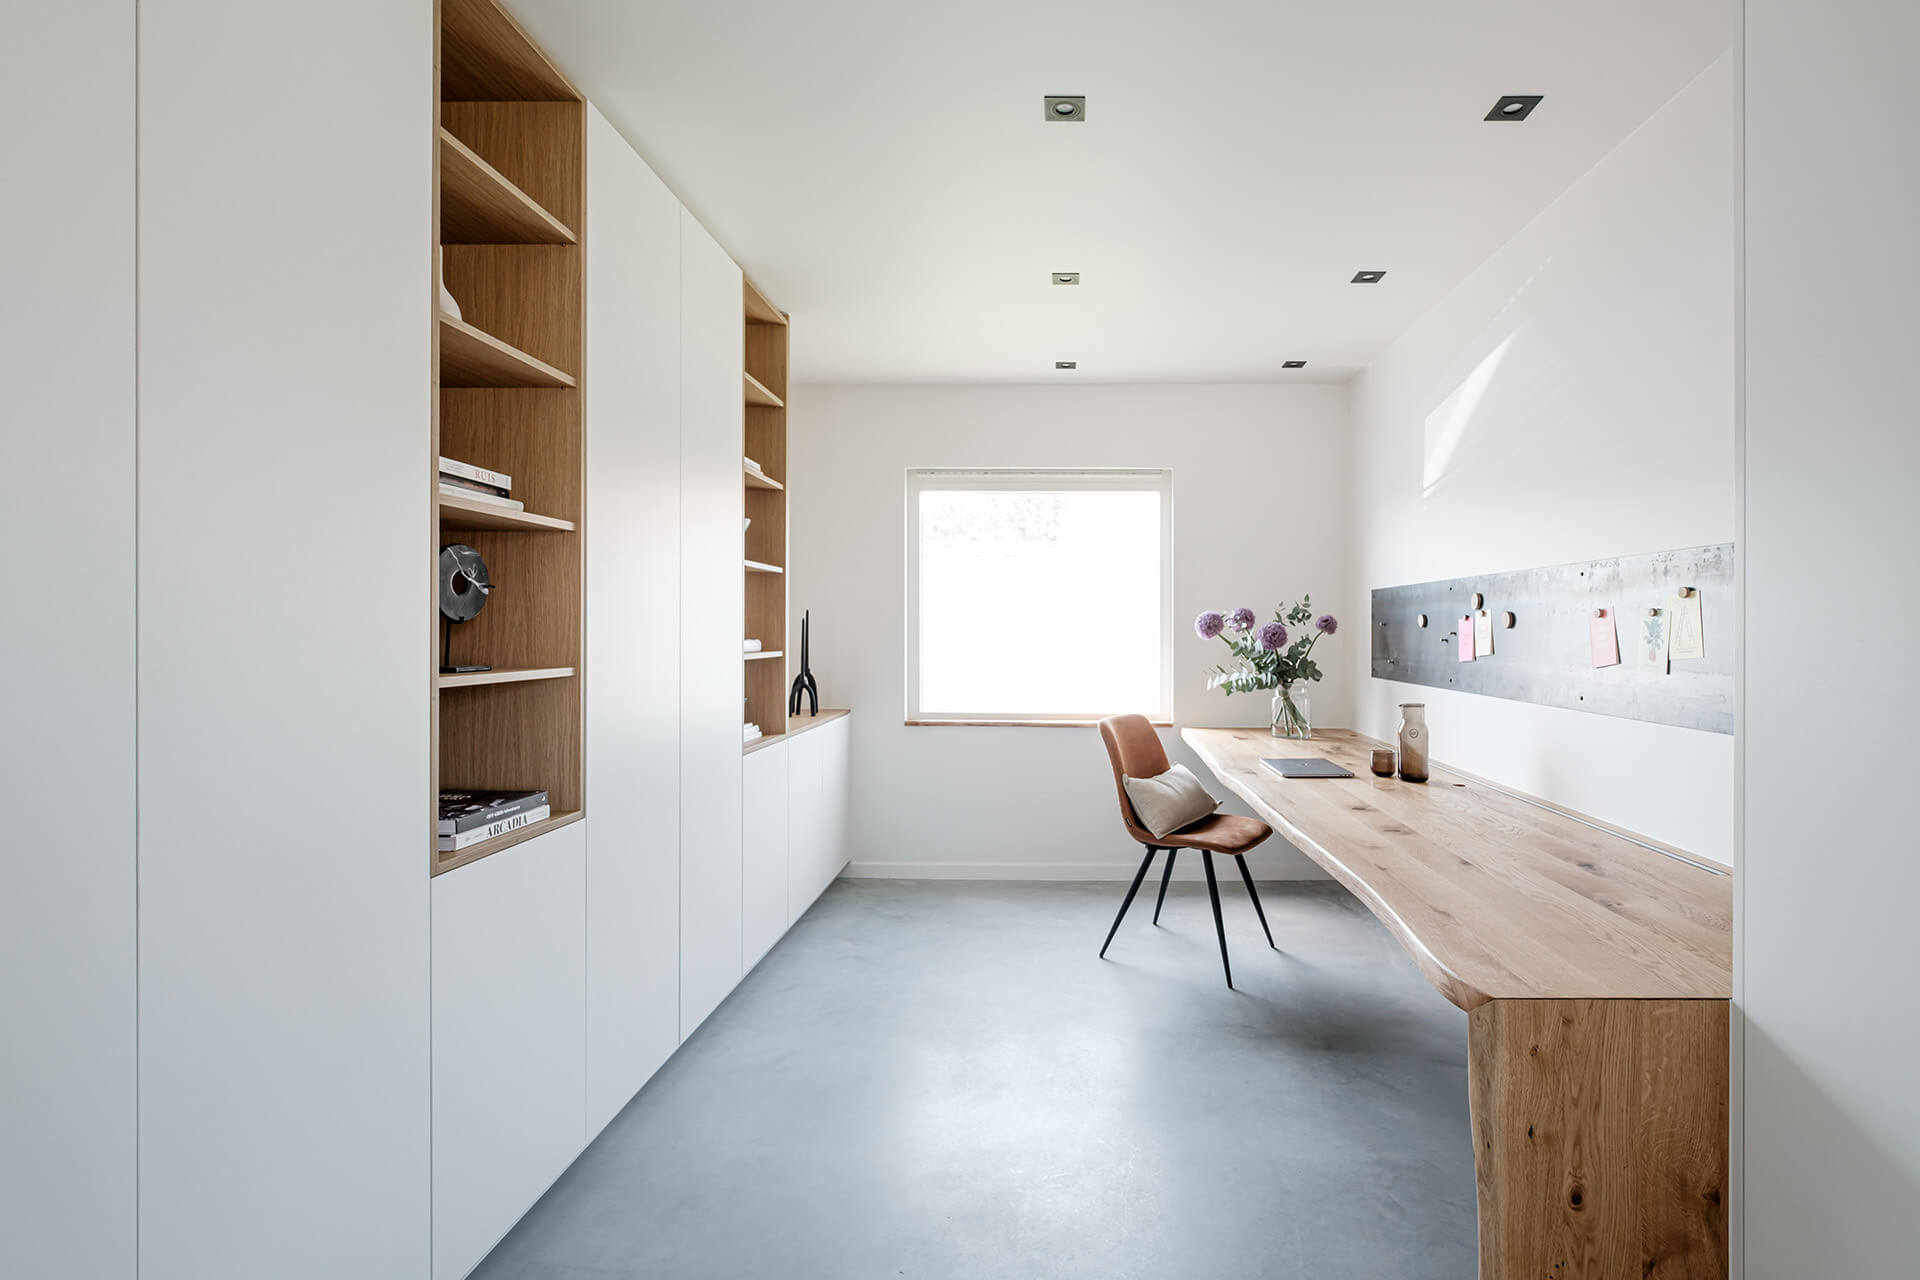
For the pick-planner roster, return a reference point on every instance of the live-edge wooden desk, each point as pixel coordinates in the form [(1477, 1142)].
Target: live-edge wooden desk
[(1595, 969)]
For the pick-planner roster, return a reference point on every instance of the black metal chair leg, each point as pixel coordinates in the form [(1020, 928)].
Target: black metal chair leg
[(1255, 895), (1219, 925), (1165, 876), (1132, 889)]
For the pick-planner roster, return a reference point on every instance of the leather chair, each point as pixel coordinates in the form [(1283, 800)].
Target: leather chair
[(1135, 750)]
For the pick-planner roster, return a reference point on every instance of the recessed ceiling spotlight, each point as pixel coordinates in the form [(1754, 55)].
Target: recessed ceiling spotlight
[(1066, 277), (1066, 109), (1066, 364), (1369, 277), (1515, 106), (1293, 364)]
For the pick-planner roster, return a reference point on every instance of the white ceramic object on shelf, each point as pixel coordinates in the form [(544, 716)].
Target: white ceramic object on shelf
[(447, 303)]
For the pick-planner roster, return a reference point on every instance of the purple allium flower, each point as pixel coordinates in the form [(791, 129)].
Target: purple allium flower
[(1209, 624), (1273, 637), (1241, 619), (1325, 624)]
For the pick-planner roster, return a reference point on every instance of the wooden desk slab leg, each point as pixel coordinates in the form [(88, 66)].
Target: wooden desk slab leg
[(1600, 1138)]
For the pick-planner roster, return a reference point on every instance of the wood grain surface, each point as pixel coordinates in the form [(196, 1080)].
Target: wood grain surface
[(1495, 896), (1600, 1138)]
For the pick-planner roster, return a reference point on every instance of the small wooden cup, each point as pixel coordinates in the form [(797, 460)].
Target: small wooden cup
[(1383, 761)]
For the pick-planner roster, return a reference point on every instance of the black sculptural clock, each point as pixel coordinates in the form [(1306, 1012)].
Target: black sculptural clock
[(464, 588)]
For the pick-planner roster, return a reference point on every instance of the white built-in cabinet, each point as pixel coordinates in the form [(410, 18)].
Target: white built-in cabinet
[(712, 621), (67, 1137), (817, 808), (633, 633), (284, 629), (509, 1053), (765, 837), (292, 1054)]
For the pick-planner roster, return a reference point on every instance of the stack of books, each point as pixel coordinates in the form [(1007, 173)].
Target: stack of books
[(464, 480), (468, 817), (750, 732), (752, 646), (754, 467)]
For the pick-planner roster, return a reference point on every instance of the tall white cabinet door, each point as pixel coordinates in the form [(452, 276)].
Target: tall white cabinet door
[(285, 213), (633, 629), (66, 862), (819, 812), (712, 620), (836, 782), (806, 821), (763, 852), (509, 1015)]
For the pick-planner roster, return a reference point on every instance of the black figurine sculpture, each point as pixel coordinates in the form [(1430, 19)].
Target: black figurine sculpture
[(803, 683)]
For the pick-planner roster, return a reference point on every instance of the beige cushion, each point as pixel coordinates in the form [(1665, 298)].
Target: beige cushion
[(1169, 801)]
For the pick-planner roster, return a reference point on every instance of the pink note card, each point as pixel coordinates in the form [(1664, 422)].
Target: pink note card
[(1606, 641), (1463, 635)]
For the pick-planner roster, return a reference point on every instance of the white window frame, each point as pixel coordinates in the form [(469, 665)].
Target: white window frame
[(1017, 480)]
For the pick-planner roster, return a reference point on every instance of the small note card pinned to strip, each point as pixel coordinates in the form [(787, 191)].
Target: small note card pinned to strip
[(1684, 637), (1483, 634), (1606, 641), (1464, 634), (1653, 641)]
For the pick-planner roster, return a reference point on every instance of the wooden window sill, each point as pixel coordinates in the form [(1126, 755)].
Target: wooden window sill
[(1017, 724)]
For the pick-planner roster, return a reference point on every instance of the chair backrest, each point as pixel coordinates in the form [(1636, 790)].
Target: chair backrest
[(1135, 750)]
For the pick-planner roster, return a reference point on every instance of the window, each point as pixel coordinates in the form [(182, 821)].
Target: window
[(1039, 595)]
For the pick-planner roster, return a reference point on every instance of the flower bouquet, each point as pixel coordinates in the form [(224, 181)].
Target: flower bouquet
[(1276, 655)]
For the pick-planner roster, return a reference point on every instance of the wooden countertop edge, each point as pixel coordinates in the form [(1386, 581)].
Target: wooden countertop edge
[(1457, 990), (800, 724)]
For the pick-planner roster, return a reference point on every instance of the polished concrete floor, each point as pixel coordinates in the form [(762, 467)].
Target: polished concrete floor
[(940, 1080)]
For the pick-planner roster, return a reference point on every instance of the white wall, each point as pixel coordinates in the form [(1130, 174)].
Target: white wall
[(1599, 342), (1829, 874), (1259, 479), (67, 753)]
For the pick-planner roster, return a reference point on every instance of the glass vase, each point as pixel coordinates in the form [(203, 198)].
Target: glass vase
[(1292, 711)]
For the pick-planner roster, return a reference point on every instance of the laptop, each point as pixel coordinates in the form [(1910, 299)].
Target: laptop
[(1312, 767)]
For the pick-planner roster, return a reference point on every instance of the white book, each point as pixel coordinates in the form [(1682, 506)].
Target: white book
[(750, 732), (511, 504), (453, 844), (752, 646), (752, 465), (479, 475)]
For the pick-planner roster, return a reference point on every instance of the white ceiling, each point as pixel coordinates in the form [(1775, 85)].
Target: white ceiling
[(885, 171)]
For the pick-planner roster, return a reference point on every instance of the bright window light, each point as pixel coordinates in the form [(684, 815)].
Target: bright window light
[(1038, 595)]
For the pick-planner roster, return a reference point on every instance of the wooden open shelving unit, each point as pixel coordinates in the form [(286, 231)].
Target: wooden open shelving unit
[(510, 204), (765, 389)]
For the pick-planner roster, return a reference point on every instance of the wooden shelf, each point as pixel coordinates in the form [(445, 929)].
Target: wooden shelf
[(764, 654), (757, 393), (479, 205), (759, 310), (502, 675), (471, 358), (478, 513), (759, 480), (754, 566), (486, 57), (444, 862)]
